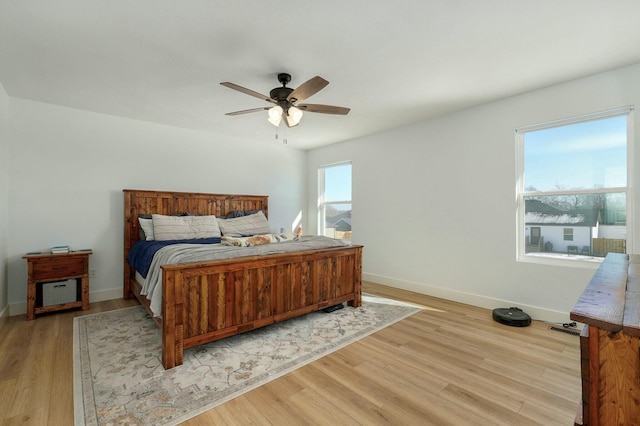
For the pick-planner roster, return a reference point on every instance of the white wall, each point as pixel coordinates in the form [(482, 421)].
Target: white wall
[(434, 203), (4, 199), (68, 167)]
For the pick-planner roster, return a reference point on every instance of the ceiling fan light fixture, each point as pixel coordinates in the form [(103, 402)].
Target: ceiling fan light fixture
[(275, 115), (295, 115)]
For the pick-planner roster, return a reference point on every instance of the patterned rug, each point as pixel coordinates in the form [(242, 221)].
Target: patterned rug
[(119, 378)]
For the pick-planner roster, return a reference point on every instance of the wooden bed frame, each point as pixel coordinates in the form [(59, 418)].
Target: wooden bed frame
[(206, 301)]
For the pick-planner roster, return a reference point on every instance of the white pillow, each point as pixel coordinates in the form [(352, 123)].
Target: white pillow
[(245, 226), (184, 227), (147, 228)]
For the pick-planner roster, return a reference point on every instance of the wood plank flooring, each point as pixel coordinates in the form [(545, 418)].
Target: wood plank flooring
[(450, 364)]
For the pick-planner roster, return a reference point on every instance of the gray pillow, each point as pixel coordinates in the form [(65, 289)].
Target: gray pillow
[(244, 226), (184, 227)]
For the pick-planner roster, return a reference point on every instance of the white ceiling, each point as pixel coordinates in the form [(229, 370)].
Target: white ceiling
[(392, 62)]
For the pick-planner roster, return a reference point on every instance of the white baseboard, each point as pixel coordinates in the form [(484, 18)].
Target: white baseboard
[(5, 312), (94, 296), (536, 312), (17, 308), (101, 296)]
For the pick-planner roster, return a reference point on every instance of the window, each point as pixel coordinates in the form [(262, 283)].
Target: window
[(568, 234), (334, 201), (573, 187)]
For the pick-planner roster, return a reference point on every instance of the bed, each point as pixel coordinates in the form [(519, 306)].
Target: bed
[(204, 301)]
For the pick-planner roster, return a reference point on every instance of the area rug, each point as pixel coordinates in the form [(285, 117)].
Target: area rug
[(119, 378)]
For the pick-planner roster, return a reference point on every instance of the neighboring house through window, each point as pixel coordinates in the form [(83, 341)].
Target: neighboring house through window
[(573, 193), (334, 201)]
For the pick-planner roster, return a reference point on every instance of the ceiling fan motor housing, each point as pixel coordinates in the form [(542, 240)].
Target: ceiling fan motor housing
[(280, 93)]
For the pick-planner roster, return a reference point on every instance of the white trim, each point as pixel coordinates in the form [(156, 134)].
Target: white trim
[(536, 312), (17, 308), (337, 202), (339, 163), (625, 110), (630, 176), (607, 190), (520, 238), (100, 296), (319, 209), (5, 312), (585, 262)]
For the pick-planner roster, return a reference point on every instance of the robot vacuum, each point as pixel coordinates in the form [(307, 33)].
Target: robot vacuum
[(514, 317)]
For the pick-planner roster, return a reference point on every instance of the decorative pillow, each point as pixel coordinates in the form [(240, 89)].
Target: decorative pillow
[(184, 227), (146, 228), (244, 226)]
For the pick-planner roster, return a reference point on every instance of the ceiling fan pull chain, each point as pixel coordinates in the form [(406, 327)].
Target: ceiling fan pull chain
[(284, 141)]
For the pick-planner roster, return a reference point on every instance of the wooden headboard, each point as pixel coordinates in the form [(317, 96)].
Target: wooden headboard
[(137, 202)]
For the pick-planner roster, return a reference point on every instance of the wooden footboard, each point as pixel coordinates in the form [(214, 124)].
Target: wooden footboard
[(209, 301)]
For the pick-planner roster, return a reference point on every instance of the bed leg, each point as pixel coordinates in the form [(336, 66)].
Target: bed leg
[(127, 288), (172, 321), (172, 352), (172, 342), (356, 302)]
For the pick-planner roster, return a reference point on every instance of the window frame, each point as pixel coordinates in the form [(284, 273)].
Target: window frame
[(520, 133), (322, 203)]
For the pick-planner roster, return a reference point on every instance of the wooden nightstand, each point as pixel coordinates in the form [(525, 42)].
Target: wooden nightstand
[(45, 268)]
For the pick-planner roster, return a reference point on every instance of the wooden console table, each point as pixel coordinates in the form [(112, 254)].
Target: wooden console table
[(610, 343)]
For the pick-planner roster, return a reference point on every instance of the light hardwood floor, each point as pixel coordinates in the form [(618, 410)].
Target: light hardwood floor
[(450, 364)]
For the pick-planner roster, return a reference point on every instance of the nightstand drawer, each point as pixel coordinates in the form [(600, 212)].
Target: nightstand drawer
[(56, 268)]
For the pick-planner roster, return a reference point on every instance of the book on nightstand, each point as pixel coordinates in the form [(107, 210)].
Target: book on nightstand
[(59, 249)]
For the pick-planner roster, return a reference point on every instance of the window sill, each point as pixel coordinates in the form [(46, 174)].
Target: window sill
[(558, 259)]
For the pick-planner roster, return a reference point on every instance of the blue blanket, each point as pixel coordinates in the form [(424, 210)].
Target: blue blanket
[(141, 253)]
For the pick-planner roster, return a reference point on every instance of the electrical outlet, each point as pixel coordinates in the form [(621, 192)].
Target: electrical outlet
[(92, 273)]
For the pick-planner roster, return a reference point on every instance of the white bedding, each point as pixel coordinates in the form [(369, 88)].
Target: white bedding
[(185, 253)]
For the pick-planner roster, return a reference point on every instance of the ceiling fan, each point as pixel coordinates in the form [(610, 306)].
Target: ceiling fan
[(286, 100)]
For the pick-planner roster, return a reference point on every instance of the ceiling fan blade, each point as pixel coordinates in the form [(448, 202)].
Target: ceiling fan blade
[(247, 111), (324, 109), (247, 91), (307, 89)]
